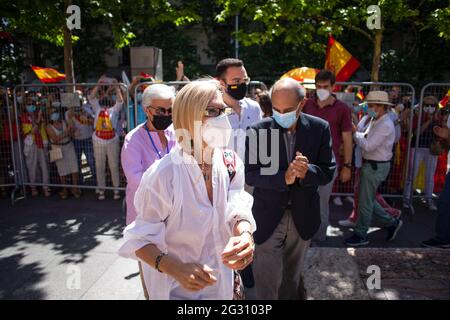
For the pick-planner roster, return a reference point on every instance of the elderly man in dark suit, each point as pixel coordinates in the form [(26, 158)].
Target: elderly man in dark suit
[(287, 157)]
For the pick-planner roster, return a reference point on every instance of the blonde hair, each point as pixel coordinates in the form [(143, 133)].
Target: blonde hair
[(190, 105)]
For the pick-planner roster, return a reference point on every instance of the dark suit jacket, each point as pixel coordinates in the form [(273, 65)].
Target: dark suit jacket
[(271, 194)]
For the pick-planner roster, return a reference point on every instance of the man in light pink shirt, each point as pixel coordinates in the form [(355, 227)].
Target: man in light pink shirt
[(149, 141)]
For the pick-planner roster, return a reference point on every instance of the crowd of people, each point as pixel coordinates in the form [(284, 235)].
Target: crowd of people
[(223, 183), (191, 219)]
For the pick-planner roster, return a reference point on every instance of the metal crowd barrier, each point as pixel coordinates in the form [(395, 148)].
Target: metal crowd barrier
[(71, 136), (9, 151), (429, 160)]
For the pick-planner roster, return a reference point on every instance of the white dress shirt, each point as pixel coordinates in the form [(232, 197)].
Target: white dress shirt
[(175, 214), (250, 114), (377, 141)]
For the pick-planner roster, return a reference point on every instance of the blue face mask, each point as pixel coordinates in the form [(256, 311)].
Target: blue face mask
[(372, 113), (31, 108), (113, 98), (286, 120), (54, 116)]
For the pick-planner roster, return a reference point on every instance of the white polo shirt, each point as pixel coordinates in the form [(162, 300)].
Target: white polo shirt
[(250, 114)]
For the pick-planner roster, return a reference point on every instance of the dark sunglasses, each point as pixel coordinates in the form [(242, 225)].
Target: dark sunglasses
[(213, 111), (160, 111)]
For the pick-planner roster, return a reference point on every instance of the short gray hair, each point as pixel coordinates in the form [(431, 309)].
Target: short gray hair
[(289, 84), (157, 91)]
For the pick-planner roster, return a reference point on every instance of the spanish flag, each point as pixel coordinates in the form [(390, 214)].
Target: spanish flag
[(48, 75), (444, 100), (360, 95), (340, 61)]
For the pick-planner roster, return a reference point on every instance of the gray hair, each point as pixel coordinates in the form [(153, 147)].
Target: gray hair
[(289, 84), (157, 91)]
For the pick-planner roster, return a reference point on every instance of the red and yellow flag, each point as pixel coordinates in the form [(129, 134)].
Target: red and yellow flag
[(444, 100), (360, 95), (48, 75), (340, 61)]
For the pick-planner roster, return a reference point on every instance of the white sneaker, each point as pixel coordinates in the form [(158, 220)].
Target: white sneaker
[(431, 206), (337, 201), (116, 195), (101, 196), (347, 223)]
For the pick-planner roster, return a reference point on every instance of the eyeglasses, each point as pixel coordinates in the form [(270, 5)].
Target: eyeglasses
[(235, 82), (213, 111), (161, 111)]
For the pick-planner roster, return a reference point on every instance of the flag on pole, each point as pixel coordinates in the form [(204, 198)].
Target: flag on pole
[(444, 100), (125, 79), (360, 95), (48, 75), (340, 61)]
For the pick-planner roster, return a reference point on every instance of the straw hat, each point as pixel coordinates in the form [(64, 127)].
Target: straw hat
[(378, 97)]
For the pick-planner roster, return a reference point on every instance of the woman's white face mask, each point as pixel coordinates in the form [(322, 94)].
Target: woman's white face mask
[(217, 131)]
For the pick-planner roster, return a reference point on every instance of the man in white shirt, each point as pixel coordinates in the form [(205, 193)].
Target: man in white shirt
[(376, 145), (234, 79)]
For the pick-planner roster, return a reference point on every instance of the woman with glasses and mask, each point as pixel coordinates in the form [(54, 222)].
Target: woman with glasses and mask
[(60, 135), (194, 223), (147, 143)]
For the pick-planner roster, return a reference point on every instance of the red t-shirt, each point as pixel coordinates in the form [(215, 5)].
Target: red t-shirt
[(339, 117)]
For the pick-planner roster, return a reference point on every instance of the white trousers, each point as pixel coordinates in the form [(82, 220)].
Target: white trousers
[(107, 152)]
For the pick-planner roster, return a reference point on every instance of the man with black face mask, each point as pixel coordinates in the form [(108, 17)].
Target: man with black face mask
[(234, 79), (148, 142)]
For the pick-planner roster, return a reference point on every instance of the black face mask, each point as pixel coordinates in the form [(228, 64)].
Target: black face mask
[(238, 92), (161, 122)]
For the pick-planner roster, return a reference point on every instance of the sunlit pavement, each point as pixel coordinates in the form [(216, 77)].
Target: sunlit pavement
[(67, 249)]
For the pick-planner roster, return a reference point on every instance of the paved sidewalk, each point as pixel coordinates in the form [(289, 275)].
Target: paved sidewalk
[(54, 249)]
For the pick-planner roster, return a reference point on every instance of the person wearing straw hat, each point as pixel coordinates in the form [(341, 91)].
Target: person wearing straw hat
[(376, 144)]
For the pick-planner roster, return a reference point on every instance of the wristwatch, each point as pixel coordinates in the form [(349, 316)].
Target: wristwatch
[(348, 165)]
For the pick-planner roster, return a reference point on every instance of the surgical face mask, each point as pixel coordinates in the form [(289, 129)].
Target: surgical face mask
[(237, 91), (54, 116), (19, 99), (323, 94), (429, 109), (56, 104), (372, 113), (162, 122), (216, 132), (139, 97), (113, 98), (44, 100), (286, 120), (31, 108)]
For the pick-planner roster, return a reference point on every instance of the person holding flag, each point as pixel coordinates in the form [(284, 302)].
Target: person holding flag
[(105, 139)]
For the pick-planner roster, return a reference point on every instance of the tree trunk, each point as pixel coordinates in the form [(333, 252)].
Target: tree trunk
[(377, 40), (68, 54)]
